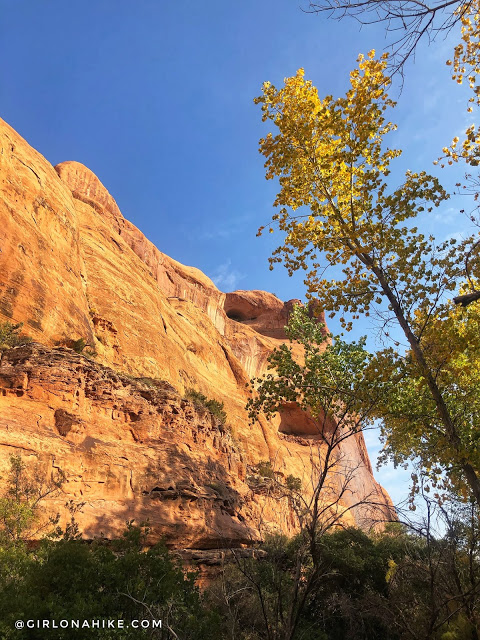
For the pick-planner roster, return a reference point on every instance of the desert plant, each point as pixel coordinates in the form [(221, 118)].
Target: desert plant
[(81, 346), (215, 407), (265, 469), (11, 335), (293, 483)]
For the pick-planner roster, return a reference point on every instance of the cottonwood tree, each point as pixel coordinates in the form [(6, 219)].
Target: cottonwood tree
[(336, 208), (408, 22), (327, 385), (466, 148)]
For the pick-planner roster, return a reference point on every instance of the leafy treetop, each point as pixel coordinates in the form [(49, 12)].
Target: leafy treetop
[(337, 208)]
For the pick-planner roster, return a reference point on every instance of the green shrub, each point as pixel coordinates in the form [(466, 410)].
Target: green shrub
[(120, 579), (293, 483), (11, 336), (81, 346), (218, 487), (215, 407), (148, 382), (265, 469)]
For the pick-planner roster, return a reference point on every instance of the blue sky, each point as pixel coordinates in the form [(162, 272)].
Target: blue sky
[(156, 97)]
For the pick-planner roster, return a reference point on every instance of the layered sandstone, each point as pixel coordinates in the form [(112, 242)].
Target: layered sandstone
[(71, 266), (129, 448)]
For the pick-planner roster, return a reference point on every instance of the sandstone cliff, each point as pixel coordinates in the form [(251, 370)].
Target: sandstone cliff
[(131, 446)]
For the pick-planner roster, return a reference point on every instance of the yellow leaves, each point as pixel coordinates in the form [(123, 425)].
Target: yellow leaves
[(467, 52), (467, 57), (328, 157)]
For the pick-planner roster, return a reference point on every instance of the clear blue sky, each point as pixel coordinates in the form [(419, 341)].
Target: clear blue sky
[(156, 97)]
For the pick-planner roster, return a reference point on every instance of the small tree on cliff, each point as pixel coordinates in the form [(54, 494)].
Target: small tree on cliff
[(11, 335), (336, 208)]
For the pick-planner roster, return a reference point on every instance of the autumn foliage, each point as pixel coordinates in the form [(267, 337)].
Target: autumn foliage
[(336, 207)]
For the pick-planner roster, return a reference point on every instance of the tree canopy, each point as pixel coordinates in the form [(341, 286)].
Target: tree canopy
[(337, 208)]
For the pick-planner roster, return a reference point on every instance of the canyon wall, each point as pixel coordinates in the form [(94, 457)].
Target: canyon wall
[(118, 425)]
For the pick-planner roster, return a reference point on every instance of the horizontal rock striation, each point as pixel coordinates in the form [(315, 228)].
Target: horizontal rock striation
[(129, 448)]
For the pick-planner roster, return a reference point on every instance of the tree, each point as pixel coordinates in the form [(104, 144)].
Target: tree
[(327, 385), (405, 583), (466, 65), (434, 586), (407, 21), (336, 209), (20, 517), (412, 21), (353, 566)]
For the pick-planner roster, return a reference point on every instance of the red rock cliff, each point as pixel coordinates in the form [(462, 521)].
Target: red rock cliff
[(71, 266)]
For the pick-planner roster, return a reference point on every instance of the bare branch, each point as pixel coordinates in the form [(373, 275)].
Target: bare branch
[(407, 21)]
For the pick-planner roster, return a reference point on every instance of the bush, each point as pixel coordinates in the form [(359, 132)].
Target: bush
[(71, 579), (81, 346), (219, 487), (265, 469), (11, 336), (215, 407), (293, 483), (78, 345)]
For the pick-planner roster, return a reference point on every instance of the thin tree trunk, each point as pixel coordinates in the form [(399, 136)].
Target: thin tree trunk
[(442, 409)]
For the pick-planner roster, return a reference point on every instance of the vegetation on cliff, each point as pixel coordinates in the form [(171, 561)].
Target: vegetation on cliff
[(215, 407), (11, 335)]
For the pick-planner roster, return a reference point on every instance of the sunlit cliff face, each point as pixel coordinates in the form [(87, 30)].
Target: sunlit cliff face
[(72, 267)]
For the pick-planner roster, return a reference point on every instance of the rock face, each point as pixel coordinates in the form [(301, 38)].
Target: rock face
[(131, 446)]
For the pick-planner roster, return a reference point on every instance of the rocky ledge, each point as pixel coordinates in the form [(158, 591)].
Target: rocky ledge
[(129, 448)]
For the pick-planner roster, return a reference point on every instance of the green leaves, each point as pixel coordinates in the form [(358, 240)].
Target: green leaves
[(326, 378), (215, 407), (11, 335), (103, 580)]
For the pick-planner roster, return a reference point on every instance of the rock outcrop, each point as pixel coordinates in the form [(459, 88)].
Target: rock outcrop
[(129, 448), (118, 425)]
